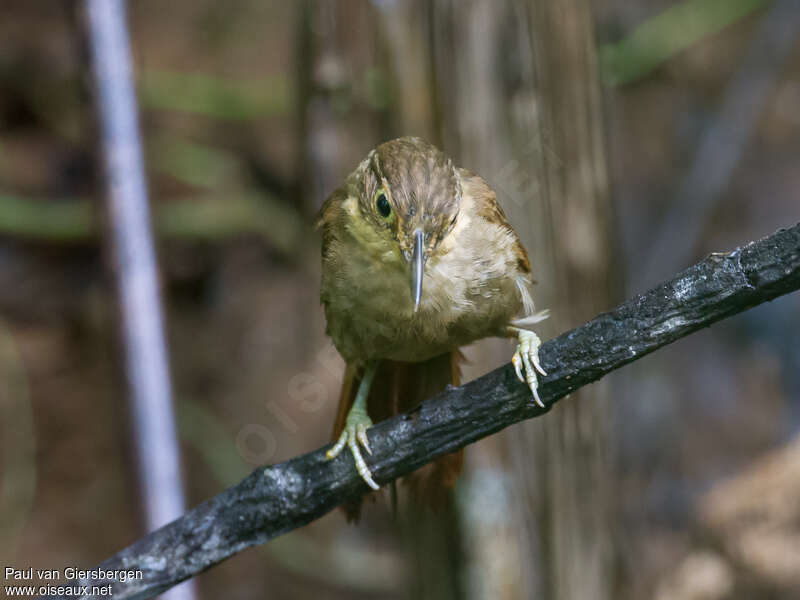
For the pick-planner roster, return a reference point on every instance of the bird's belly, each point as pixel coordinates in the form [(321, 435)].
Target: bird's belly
[(375, 319)]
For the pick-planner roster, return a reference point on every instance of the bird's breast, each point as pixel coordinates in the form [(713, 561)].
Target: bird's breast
[(370, 312)]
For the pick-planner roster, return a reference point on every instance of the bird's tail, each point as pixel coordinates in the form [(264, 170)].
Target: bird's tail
[(397, 388)]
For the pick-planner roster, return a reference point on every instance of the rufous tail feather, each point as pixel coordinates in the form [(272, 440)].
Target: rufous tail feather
[(397, 388)]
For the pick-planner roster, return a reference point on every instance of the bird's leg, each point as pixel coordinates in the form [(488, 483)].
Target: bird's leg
[(527, 357), (356, 425)]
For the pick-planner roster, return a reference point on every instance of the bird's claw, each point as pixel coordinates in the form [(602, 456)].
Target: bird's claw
[(526, 358), (355, 432)]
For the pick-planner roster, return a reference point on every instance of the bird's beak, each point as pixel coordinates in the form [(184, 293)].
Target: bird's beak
[(417, 263)]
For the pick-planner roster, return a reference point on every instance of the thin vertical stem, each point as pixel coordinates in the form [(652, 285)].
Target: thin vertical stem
[(132, 248)]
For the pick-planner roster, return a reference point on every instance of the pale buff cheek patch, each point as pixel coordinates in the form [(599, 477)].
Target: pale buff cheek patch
[(351, 206)]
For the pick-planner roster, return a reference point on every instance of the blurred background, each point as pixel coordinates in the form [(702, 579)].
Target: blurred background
[(625, 140)]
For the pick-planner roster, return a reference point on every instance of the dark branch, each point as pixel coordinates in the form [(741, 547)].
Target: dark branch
[(279, 498)]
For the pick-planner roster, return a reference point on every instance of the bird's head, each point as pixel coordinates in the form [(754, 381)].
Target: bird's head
[(408, 199)]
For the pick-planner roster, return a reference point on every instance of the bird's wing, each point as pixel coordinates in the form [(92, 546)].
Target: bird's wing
[(487, 206)]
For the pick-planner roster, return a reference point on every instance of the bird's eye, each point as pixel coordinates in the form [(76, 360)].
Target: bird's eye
[(382, 204)]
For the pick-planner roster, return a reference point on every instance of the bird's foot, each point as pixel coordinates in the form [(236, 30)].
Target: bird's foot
[(526, 358), (355, 433)]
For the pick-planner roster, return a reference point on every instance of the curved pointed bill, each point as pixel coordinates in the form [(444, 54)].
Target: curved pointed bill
[(417, 263)]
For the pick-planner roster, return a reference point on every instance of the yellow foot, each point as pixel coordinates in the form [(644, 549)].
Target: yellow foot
[(355, 432), (527, 356)]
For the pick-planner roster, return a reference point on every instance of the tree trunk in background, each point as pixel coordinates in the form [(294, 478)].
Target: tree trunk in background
[(575, 442), (520, 103)]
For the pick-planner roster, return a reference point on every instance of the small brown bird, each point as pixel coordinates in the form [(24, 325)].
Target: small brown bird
[(418, 259)]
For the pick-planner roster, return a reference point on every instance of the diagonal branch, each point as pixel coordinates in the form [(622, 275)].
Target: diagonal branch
[(276, 499)]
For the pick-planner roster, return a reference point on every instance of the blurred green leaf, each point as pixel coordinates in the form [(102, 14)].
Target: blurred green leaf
[(205, 218), (60, 220), (215, 97), (252, 213), (658, 39), (192, 163)]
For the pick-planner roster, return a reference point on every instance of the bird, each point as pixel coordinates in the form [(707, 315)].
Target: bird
[(418, 261)]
